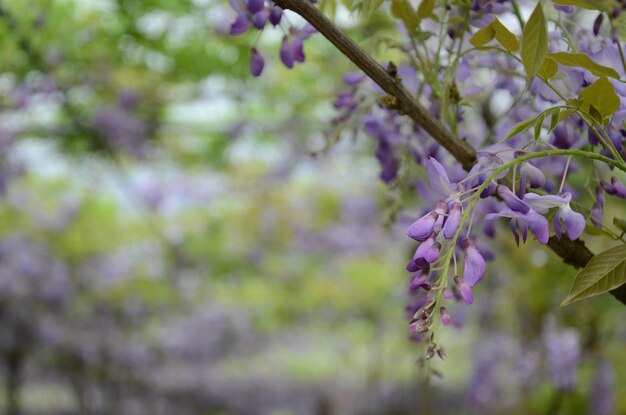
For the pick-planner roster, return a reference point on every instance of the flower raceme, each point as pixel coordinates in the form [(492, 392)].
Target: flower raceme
[(258, 13), (441, 240)]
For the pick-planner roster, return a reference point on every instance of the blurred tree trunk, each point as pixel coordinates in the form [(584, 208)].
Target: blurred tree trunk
[(13, 381)]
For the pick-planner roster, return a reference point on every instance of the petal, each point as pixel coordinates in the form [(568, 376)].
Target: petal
[(512, 201), (421, 229), (438, 177), (620, 189), (574, 221), (298, 49), (259, 19), (424, 247), (240, 25), (558, 229), (276, 13), (255, 6), (534, 175), (473, 264), (287, 53), (257, 63), (540, 226), (452, 221), (543, 203), (464, 290)]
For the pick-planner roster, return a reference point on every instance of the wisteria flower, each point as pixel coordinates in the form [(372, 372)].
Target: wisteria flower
[(574, 221), (522, 221)]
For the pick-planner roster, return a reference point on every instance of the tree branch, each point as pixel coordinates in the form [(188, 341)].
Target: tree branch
[(573, 252)]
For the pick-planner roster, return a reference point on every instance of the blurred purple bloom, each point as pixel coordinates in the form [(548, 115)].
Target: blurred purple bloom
[(287, 53), (255, 6), (276, 14), (563, 350), (240, 25), (257, 63), (602, 390), (260, 19), (615, 188)]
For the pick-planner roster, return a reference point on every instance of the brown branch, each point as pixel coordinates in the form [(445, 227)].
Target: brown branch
[(573, 252), (459, 149)]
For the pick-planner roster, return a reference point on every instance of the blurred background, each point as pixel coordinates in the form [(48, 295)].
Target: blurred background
[(175, 238)]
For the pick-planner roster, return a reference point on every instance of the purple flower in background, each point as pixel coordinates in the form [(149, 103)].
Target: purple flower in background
[(255, 6), (260, 19), (240, 25), (276, 14), (614, 188), (257, 63), (287, 52), (563, 355), (597, 211), (121, 130), (602, 390)]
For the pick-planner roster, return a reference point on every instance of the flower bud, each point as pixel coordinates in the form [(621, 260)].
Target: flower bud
[(445, 316)]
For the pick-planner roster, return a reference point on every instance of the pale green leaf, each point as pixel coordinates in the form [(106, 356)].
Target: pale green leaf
[(534, 42), (504, 36), (538, 124), (620, 224), (483, 36), (603, 273), (554, 121), (425, 9), (602, 5), (601, 95), (548, 69), (402, 9), (581, 60), (519, 128)]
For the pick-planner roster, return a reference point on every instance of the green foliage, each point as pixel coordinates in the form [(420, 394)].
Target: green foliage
[(581, 60), (402, 10), (602, 5), (504, 36), (600, 95), (534, 42), (605, 272)]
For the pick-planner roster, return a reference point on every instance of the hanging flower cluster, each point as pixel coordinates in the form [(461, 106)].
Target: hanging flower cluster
[(258, 13)]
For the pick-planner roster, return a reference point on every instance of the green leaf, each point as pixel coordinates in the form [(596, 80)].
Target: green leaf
[(548, 69), (534, 42), (402, 9), (425, 9), (604, 272), (538, 124), (504, 36), (601, 5), (581, 60), (554, 121), (519, 128), (601, 95), (620, 224), (484, 35)]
